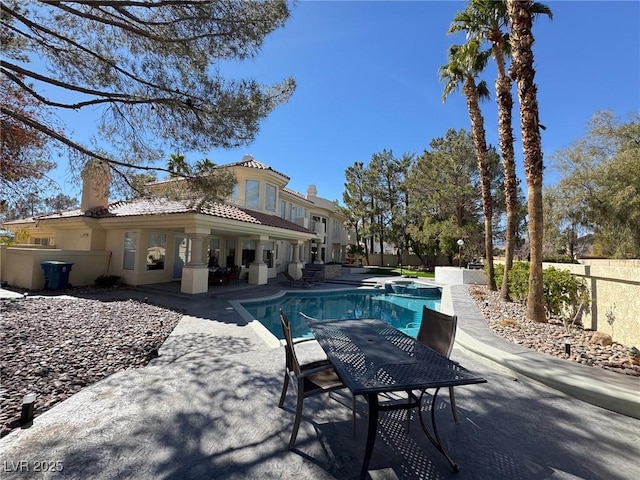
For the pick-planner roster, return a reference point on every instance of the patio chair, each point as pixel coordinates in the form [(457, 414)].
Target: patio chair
[(234, 274), (438, 332), (309, 379), (296, 282)]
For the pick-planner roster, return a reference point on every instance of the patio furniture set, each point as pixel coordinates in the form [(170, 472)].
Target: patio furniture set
[(391, 370)]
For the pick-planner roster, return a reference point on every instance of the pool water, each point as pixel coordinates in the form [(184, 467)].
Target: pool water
[(402, 311)]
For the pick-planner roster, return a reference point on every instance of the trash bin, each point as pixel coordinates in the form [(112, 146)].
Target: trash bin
[(56, 274)]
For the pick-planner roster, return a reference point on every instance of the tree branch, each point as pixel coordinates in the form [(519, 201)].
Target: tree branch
[(37, 27), (79, 148)]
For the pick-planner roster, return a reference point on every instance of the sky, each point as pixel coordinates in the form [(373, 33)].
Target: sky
[(367, 80)]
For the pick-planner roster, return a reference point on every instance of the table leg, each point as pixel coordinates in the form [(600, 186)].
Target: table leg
[(372, 430), (435, 438)]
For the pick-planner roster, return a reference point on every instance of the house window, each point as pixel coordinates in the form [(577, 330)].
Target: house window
[(41, 241), (129, 256), (156, 251), (337, 228), (298, 212), (283, 209), (252, 194), (270, 199), (235, 194)]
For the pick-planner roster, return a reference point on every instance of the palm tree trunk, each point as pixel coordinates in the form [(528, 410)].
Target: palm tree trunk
[(480, 143), (505, 132), (523, 73)]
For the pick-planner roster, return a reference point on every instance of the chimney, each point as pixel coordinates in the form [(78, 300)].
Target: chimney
[(96, 178), (312, 191)]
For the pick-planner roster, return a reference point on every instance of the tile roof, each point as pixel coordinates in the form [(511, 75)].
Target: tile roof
[(162, 206), (247, 161), (250, 162), (296, 194)]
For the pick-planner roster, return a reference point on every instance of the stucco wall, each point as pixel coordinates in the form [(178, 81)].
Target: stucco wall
[(21, 267), (615, 287)]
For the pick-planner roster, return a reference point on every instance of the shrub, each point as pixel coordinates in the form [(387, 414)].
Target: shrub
[(559, 258), (519, 280), (498, 272), (107, 281), (565, 295)]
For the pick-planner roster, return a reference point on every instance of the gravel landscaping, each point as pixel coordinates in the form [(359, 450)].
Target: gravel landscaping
[(509, 321), (55, 346)]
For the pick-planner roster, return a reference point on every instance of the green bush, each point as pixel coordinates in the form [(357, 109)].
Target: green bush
[(558, 258), (565, 295), (519, 281), (498, 272), (107, 281)]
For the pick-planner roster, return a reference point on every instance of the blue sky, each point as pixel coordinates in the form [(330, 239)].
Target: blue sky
[(367, 80)]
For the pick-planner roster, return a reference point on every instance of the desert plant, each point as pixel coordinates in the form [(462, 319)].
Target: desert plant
[(498, 272), (611, 317), (565, 295), (519, 281)]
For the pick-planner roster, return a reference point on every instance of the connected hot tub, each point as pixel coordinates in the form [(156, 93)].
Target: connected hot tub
[(411, 288)]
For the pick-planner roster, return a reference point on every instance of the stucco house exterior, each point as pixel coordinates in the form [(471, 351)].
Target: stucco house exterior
[(264, 227)]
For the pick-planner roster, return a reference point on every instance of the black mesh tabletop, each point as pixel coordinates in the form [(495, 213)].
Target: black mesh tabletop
[(371, 356)]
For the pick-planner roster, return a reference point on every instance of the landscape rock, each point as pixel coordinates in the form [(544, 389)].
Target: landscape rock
[(54, 346), (600, 338)]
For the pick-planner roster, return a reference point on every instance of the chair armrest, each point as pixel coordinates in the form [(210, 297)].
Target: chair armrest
[(311, 371), (302, 340)]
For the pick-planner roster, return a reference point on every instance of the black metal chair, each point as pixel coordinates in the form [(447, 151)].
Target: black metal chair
[(438, 332), (309, 379)]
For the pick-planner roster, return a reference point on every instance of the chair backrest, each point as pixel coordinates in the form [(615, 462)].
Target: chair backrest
[(234, 273), (438, 331), (290, 352)]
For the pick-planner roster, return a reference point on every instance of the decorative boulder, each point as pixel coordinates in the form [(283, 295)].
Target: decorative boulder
[(600, 338)]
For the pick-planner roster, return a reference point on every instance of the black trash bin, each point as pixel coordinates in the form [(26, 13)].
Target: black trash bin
[(56, 274)]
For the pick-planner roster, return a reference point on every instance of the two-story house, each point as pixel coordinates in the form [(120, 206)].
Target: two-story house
[(263, 227)]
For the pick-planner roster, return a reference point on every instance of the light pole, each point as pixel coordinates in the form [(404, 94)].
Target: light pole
[(460, 243)]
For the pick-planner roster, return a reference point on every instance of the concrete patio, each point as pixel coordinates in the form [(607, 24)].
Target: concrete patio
[(206, 408)]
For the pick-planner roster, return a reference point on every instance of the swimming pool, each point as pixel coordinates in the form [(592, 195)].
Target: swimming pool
[(398, 310)]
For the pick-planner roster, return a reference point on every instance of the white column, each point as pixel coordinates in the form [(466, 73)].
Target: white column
[(296, 252), (259, 252), (195, 257), (195, 274)]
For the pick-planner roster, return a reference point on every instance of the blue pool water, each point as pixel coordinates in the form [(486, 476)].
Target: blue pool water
[(399, 310)]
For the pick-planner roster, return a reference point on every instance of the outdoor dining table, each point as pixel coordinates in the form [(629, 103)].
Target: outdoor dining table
[(372, 357)]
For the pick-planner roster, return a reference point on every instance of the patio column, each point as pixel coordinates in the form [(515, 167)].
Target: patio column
[(295, 267), (195, 274), (258, 270)]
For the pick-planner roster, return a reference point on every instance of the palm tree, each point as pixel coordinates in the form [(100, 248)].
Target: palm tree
[(487, 20), (465, 63), (522, 72)]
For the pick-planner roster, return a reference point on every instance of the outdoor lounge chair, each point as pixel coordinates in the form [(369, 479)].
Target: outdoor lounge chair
[(299, 282), (309, 379)]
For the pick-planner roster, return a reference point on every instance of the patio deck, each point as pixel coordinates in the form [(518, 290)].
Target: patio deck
[(207, 408)]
